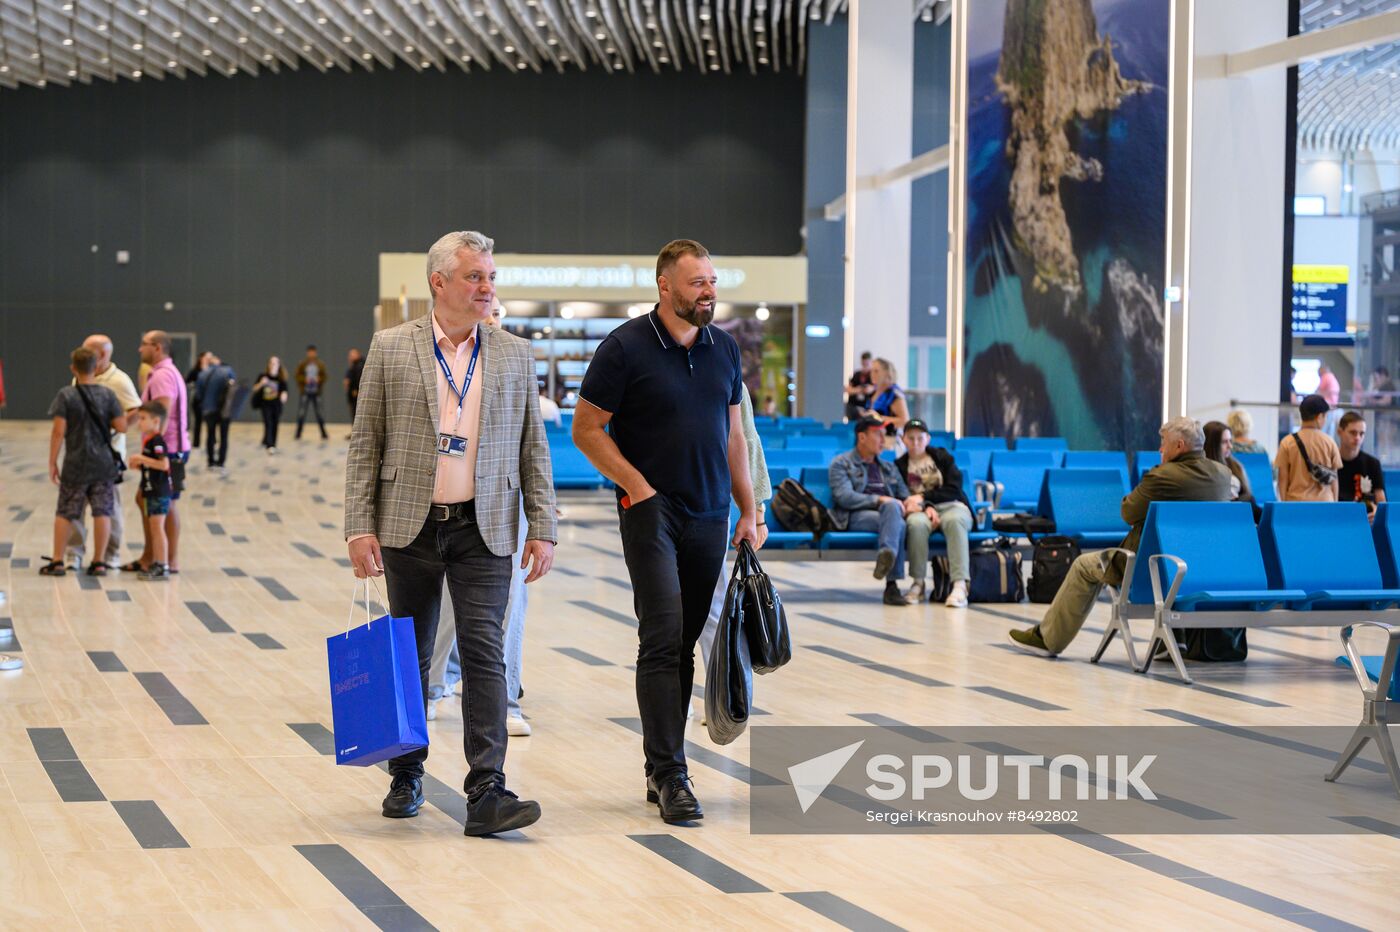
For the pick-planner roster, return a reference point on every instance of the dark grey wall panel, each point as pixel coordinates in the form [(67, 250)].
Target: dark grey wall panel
[(258, 207)]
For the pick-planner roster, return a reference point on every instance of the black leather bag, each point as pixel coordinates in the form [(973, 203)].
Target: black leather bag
[(765, 622), (1213, 645), (1023, 522), (1050, 564), (729, 676)]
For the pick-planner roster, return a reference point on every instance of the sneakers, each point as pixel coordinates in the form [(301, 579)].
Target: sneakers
[(674, 799), (884, 562), (517, 727), (892, 594), (432, 709), (73, 561), (499, 810), (1030, 638), (958, 597), (405, 797), (916, 592), (10, 662), (158, 572)]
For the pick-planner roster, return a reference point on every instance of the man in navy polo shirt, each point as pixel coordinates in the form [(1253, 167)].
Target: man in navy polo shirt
[(668, 386)]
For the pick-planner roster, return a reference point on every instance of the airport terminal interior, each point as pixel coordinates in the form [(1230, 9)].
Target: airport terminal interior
[(1063, 338)]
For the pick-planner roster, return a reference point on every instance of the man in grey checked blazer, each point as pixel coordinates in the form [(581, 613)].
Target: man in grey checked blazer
[(447, 439)]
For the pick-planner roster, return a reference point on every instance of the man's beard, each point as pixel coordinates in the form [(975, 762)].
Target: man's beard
[(692, 314)]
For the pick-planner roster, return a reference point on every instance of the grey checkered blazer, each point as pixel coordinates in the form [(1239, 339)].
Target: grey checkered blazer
[(393, 447)]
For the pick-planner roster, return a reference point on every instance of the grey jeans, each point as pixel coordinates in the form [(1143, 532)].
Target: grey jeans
[(954, 522)]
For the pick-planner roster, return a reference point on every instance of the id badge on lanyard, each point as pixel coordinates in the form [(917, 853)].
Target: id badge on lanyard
[(453, 444)]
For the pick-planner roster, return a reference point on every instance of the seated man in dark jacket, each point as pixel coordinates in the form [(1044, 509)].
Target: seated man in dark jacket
[(940, 504), (869, 494), (1184, 476)]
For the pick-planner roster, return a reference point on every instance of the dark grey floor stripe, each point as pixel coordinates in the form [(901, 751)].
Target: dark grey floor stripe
[(1290, 633), (1312, 750), (276, 588), (605, 551), (343, 561), (327, 525), (912, 732), (90, 583), (699, 864), (1037, 704), (239, 539), (234, 572), (209, 618), (172, 702), (264, 486), (360, 886), (1371, 825), (1171, 679), (877, 667), (606, 612), (310, 551), (20, 563), (858, 629), (319, 499), (566, 571), (263, 641), (584, 657), (1245, 896), (316, 735), (106, 662), (842, 912), (68, 775), (148, 824), (855, 596), (118, 595), (272, 517), (7, 549), (215, 528), (622, 584)]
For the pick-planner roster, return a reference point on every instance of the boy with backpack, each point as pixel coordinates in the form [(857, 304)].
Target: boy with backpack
[(84, 416), (154, 463)]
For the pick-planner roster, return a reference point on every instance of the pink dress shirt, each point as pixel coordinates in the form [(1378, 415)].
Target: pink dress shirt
[(165, 381), (456, 476)]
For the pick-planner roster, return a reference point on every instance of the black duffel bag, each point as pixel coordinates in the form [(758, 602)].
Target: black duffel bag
[(1050, 564), (765, 622), (729, 676), (995, 567)]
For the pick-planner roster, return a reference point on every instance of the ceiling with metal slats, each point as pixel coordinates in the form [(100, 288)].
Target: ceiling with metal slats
[(1349, 102), (61, 42)]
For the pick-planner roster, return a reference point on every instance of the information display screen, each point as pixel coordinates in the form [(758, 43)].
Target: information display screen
[(1319, 300)]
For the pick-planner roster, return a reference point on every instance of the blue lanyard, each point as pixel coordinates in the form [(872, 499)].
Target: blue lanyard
[(451, 382)]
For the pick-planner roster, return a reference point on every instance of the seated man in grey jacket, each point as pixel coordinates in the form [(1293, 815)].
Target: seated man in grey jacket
[(868, 494)]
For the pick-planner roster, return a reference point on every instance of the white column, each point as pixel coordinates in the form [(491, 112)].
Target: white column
[(1228, 330), (879, 136)]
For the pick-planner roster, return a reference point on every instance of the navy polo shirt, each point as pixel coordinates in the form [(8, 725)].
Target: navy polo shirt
[(670, 408)]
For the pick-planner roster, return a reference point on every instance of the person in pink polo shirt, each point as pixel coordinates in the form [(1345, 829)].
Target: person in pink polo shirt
[(166, 385)]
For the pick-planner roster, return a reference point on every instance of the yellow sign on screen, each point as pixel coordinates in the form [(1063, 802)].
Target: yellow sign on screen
[(1320, 274)]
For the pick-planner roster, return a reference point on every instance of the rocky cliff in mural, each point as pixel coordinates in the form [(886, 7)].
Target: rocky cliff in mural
[(1055, 67)]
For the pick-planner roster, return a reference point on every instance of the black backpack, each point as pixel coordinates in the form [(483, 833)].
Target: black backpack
[(1050, 563), (798, 510)]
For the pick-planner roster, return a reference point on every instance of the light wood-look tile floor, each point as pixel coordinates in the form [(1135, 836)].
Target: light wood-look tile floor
[(151, 776)]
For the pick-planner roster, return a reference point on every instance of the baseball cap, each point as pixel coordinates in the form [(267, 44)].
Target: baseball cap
[(867, 422), (1313, 405), (916, 424)]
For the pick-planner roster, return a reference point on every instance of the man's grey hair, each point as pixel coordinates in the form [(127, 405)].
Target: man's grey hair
[(442, 256), (1186, 429)]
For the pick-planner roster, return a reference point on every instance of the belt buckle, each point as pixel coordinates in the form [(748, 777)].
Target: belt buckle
[(440, 512)]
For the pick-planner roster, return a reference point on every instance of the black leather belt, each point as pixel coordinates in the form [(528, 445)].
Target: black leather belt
[(465, 510)]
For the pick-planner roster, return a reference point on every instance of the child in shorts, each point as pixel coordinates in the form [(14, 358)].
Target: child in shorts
[(154, 463), (84, 416)]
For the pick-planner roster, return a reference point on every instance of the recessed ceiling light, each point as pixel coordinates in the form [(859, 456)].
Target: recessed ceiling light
[(72, 73), (206, 52), (450, 41), (367, 11), (136, 46), (306, 48), (366, 56), (320, 21), (521, 66), (509, 49), (425, 64), (170, 64), (255, 8), (600, 36), (136, 73), (176, 34), (344, 38), (142, 12), (242, 40), (101, 27), (67, 41), (214, 20)]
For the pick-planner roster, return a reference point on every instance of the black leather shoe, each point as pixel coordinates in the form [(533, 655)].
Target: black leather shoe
[(405, 797), (893, 596), (500, 810), (674, 798)]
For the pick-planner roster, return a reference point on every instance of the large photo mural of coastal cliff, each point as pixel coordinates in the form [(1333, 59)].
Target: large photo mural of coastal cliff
[(1066, 220)]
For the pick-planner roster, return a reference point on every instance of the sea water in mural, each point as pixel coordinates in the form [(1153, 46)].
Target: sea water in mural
[(1065, 249)]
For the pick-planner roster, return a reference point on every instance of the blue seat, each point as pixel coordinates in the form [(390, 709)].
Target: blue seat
[(1145, 460), (818, 442), (794, 460), (1261, 476), (572, 470), (1020, 475), (817, 482), (1372, 664), (946, 440), (776, 475), (1085, 505), (1385, 532), (1099, 459), (779, 537), (1325, 549), (1055, 445), (1392, 480), (1221, 549)]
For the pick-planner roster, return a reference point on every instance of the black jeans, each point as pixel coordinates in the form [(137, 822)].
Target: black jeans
[(218, 430), (197, 416), (271, 415), (479, 584), (674, 560), (310, 400)]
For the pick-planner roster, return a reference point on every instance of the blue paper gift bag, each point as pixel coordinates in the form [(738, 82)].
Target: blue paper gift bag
[(376, 694)]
